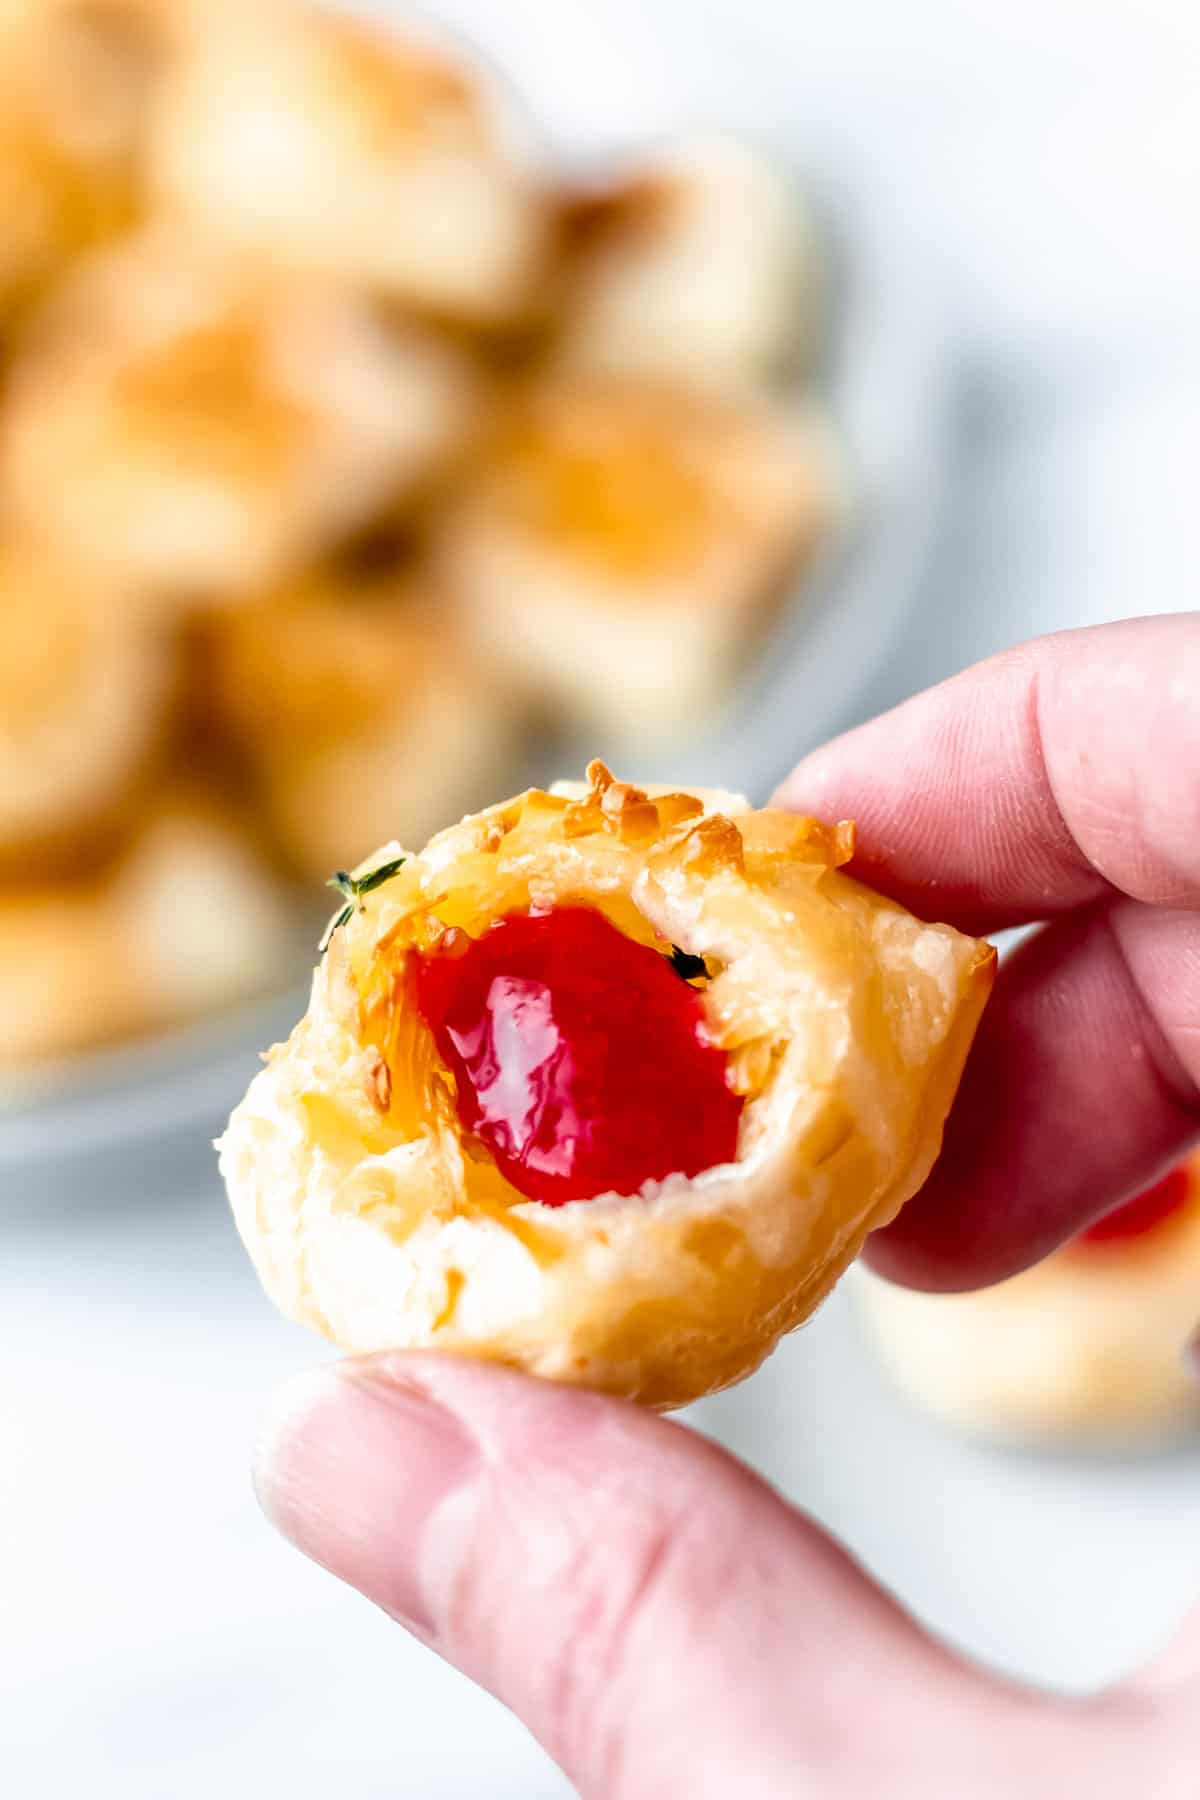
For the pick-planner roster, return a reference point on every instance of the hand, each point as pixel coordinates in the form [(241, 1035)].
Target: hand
[(1059, 782), (662, 1621)]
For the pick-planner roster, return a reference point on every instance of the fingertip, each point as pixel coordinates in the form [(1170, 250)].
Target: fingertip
[(353, 1462), (806, 789), (283, 1419)]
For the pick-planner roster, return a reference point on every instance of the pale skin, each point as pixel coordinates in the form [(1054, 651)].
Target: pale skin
[(664, 1622)]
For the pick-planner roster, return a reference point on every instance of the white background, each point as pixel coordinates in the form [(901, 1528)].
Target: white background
[(155, 1639)]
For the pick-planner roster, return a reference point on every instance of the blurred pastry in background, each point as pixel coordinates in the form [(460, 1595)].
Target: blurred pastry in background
[(98, 959), (195, 877), (78, 79), (1088, 1346), (360, 717), (700, 267), (620, 537), (345, 446), (197, 427), (329, 142), (53, 201), (91, 68), (62, 991), (86, 692), (66, 165)]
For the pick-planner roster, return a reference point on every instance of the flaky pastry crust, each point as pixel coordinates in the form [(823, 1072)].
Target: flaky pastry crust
[(846, 1022)]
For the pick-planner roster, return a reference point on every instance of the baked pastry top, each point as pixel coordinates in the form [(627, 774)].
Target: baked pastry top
[(697, 265), (392, 164), (197, 427), (355, 710), (620, 538)]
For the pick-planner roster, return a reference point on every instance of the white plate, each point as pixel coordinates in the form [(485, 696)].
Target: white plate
[(107, 1101), (886, 389)]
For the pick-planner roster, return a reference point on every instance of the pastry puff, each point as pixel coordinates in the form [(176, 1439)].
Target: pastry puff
[(75, 81), (187, 920), (86, 691), (1088, 1346), (357, 712), (198, 428), (846, 1022), (700, 267), (329, 143), (620, 539)]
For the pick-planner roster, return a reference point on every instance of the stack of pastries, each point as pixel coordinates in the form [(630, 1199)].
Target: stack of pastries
[(346, 451)]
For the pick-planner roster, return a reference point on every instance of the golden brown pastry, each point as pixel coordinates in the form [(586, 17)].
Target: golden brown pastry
[(358, 712), (620, 538), (1088, 1346), (198, 428), (701, 266), (605, 1084), (330, 143), (62, 990), (184, 921), (203, 922), (51, 207), (76, 78), (86, 689)]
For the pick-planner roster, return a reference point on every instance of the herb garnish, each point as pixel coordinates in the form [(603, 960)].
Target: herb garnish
[(689, 967), (353, 888)]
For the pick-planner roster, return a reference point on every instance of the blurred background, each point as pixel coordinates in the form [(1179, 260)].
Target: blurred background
[(391, 414)]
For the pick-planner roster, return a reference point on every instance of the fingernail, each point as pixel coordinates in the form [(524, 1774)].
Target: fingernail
[(353, 1464)]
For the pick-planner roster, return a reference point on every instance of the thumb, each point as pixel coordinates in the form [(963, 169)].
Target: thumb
[(661, 1620)]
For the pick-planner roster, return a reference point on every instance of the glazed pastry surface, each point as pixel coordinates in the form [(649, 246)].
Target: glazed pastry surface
[(845, 1022)]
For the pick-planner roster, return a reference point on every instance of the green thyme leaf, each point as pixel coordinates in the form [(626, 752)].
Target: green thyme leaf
[(366, 884), (355, 886), (691, 968), (352, 889), (339, 919)]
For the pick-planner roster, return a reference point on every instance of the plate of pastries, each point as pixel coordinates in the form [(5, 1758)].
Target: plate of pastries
[(360, 458)]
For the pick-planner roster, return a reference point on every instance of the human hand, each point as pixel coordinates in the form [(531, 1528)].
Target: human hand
[(1058, 782), (662, 1621)]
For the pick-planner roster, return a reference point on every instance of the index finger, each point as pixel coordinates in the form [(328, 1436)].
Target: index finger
[(1059, 782), (1031, 784)]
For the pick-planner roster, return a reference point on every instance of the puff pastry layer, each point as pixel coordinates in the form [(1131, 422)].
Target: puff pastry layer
[(846, 1023)]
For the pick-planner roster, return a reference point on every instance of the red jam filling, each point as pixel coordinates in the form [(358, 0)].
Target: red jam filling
[(1150, 1210), (580, 1057)]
